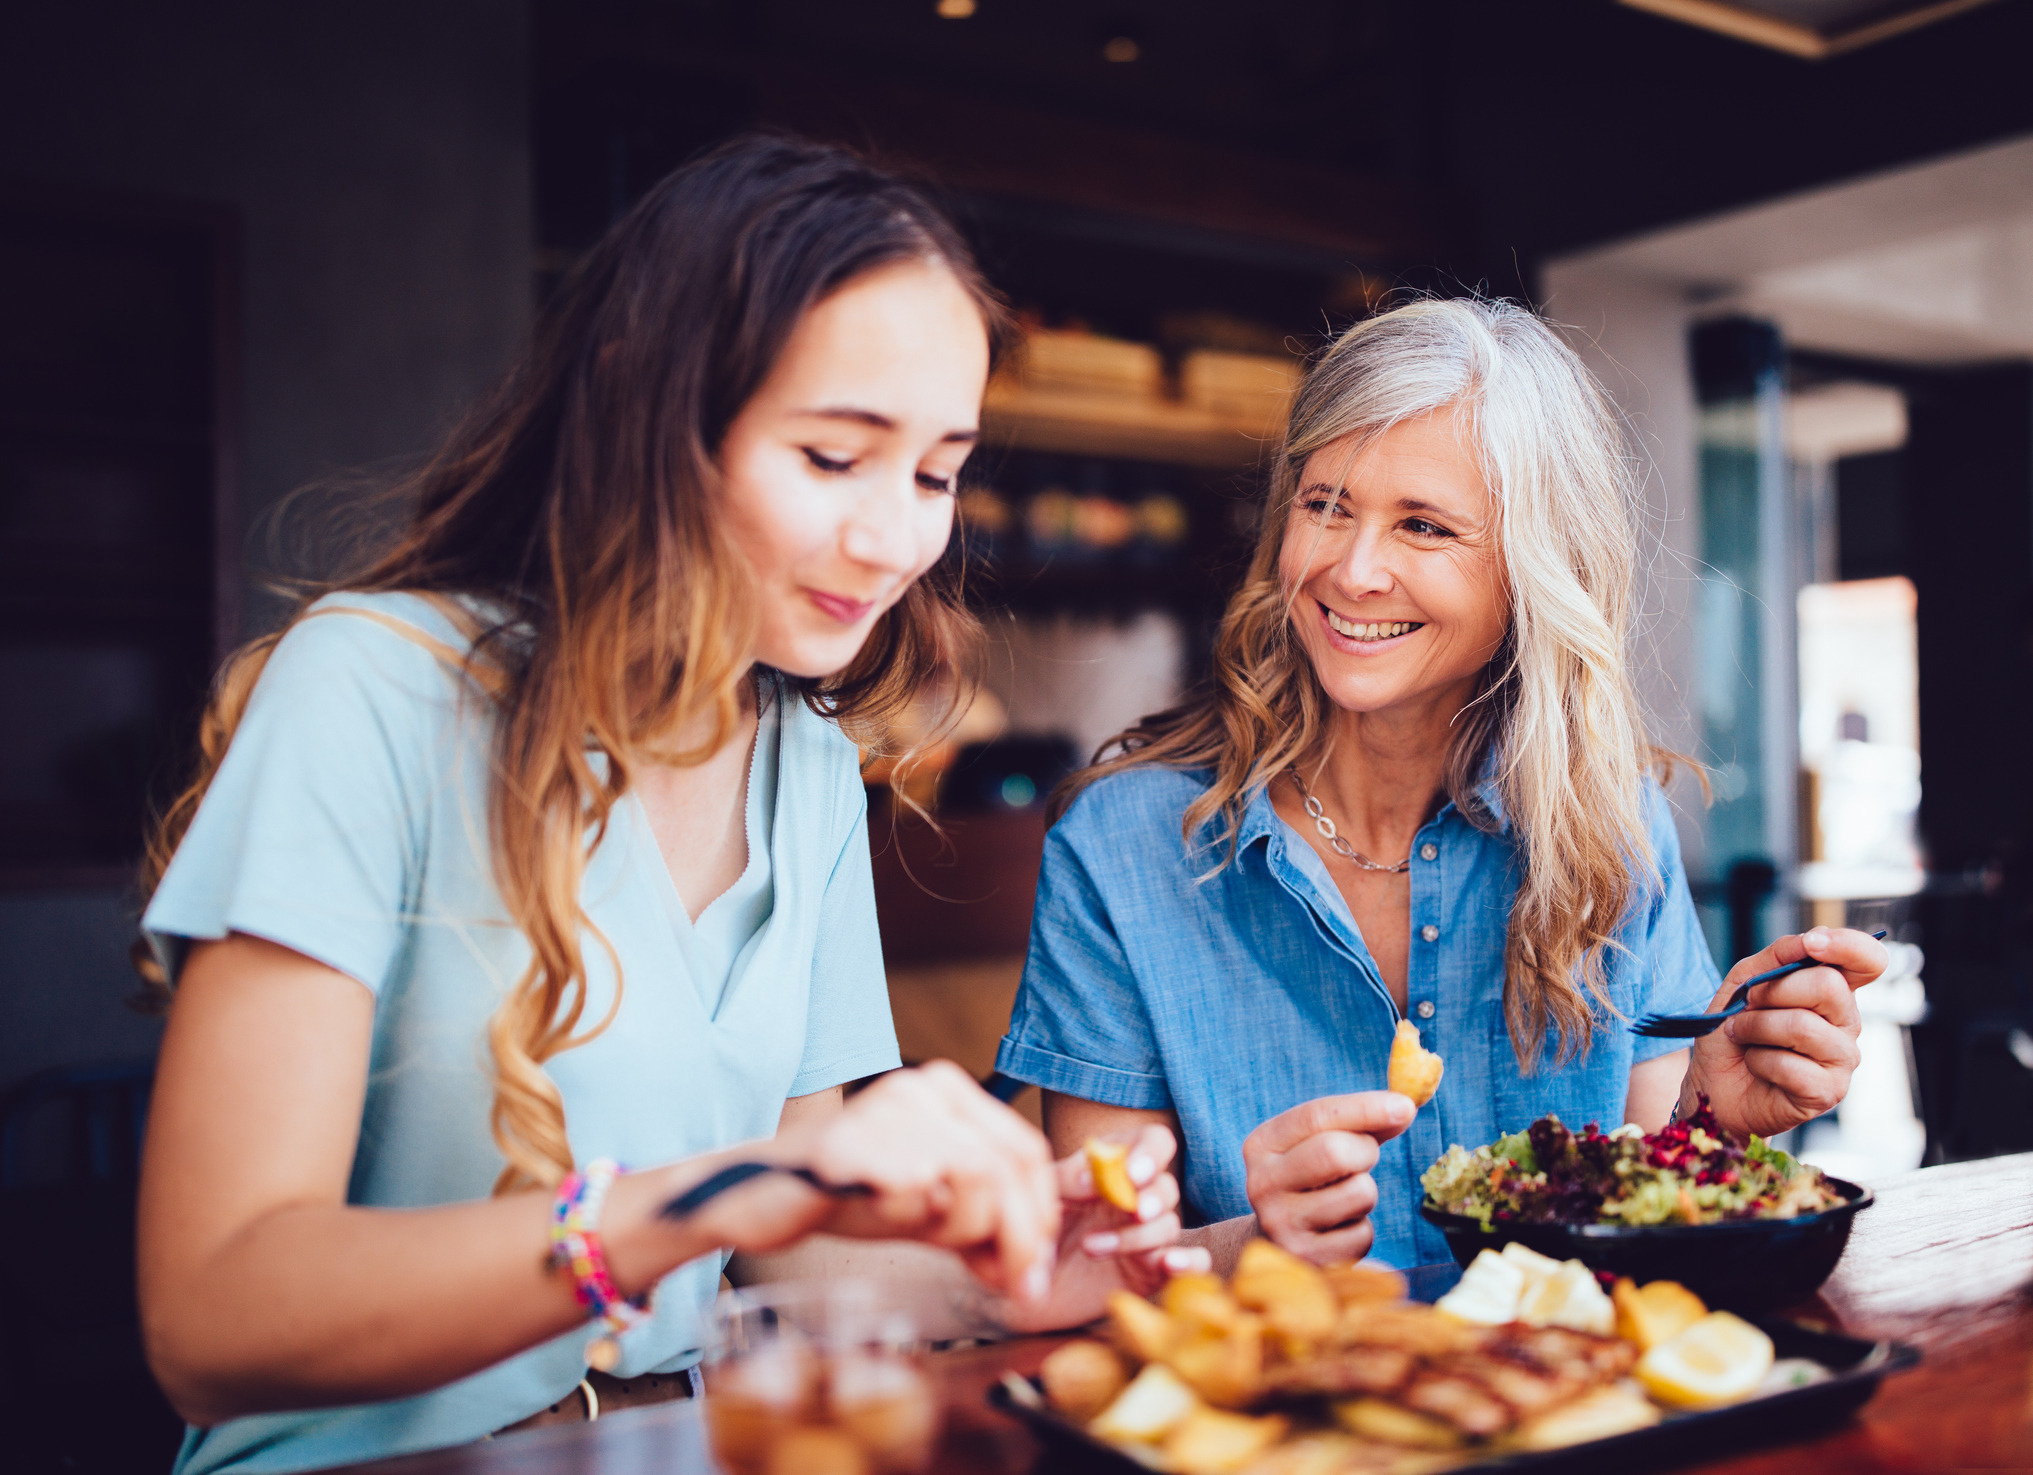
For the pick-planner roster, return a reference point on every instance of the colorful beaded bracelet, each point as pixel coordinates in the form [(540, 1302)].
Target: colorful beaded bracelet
[(575, 1246)]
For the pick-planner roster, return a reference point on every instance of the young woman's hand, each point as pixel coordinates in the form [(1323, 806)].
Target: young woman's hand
[(1788, 1057), (948, 1164), (1102, 1248), (1308, 1172)]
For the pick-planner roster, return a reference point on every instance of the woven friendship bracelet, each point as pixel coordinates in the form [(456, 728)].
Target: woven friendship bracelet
[(576, 1246)]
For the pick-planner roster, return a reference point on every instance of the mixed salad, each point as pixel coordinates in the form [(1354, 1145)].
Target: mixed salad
[(1690, 1172)]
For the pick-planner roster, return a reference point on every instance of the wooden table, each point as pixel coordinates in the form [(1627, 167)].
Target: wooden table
[(1944, 1261)]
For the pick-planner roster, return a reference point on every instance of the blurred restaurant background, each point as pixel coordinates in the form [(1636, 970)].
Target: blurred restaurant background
[(251, 249)]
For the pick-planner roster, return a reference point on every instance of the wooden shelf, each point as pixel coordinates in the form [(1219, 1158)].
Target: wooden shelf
[(1096, 584), (1092, 423)]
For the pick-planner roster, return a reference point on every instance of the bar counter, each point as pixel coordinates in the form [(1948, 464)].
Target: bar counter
[(1943, 1261)]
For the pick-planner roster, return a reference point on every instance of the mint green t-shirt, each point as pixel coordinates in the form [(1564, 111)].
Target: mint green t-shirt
[(349, 822)]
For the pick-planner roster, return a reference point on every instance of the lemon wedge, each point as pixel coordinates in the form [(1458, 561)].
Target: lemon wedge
[(1720, 1359)]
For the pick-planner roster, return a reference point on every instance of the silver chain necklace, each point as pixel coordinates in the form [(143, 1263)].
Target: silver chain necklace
[(1333, 837)]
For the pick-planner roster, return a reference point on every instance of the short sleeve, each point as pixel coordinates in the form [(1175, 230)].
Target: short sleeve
[(311, 832), (848, 1030), (1079, 1026), (1679, 974)]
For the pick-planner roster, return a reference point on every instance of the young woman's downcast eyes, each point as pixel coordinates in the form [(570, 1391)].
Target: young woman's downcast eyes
[(823, 462), (838, 466)]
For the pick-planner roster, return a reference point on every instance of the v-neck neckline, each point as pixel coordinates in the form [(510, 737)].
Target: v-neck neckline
[(714, 985)]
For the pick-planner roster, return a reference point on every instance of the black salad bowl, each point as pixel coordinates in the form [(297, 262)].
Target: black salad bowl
[(1749, 1265)]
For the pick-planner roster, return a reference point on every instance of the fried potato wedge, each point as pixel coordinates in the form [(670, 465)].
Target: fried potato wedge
[(1420, 1330), (1152, 1406), (1366, 1281), (1374, 1418), (1414, 1070), (1210, 1442), (1082, 1378), (1224, 1368), (1617, 1409), (1109, 1163), (1293, 1296), (1199, 1301), (1139, 1328), (1318, 1453)]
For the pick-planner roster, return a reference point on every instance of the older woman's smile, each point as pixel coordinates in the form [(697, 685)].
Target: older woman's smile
[(1370, 633)]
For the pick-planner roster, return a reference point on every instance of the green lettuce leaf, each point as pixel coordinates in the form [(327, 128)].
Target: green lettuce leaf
[(1758, 1150), (1518, 1148)]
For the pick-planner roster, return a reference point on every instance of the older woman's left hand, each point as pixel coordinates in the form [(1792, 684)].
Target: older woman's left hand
[(1788, 1057)]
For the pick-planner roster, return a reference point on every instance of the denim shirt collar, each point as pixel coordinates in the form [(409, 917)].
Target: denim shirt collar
[(1260, 820)]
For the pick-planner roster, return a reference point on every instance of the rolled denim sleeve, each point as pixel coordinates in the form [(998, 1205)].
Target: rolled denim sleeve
[(1080, 1026), (1679, 975)]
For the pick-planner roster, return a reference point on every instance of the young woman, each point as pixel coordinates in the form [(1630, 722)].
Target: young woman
[(541, 846), (1416, 788)]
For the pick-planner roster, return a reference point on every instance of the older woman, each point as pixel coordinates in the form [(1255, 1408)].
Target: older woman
[(1418, 786)]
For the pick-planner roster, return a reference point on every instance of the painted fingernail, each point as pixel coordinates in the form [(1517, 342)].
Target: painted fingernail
[(1183, 1261), (1037, 1280), (1149, 1205), (1141, 1168), (1101, 1246)]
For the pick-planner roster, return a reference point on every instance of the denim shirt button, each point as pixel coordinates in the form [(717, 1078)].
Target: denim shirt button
[(1429, 851), (1425, 1009), (1430, 932)]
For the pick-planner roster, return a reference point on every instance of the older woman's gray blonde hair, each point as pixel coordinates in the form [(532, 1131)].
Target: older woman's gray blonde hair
[(1556, 724)]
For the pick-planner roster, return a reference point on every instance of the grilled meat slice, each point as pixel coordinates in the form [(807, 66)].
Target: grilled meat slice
[(1338, 1374), (1525, 1390), (1522, 1370), (1552, 1347), (1419, 1330), (1461, 1401)]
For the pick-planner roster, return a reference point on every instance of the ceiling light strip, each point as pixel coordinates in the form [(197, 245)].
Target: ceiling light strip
[(1796, 40)]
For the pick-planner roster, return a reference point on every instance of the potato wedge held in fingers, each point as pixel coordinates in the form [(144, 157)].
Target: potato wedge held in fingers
[(1109, 1163), (1414, 1070)]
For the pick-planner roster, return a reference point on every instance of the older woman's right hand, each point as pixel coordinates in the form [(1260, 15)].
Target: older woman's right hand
[(1308, 1172)]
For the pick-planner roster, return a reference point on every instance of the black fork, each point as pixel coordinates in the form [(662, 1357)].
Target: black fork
[(1694, 1026)]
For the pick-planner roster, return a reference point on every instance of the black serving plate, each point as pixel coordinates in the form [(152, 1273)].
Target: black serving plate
[(1747, 1265), (1679, 1438)]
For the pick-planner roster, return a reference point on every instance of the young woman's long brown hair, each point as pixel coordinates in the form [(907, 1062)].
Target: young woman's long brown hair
[(577, 507), (1557, 707)]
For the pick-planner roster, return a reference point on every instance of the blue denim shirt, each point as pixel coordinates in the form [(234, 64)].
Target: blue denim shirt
[(1232, 998)]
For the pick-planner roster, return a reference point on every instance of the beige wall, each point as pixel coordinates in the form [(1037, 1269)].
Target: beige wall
[(1633, 334)]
